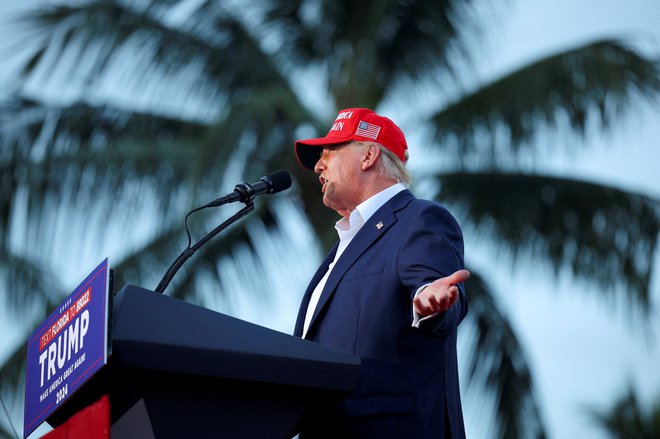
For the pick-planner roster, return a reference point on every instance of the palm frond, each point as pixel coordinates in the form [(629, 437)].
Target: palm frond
[(5, 434), (66, 156), (627, 417), (368, 46), (13, 369), (12, 386), (28, 285), (498, 362), (584, 87), (603, 234), (80, 136), (211, 55), (81, 151)]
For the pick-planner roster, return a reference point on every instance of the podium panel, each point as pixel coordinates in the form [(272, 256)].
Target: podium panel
[(180, 370)]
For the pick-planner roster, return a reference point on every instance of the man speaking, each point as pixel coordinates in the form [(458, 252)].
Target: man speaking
[(389, 291)]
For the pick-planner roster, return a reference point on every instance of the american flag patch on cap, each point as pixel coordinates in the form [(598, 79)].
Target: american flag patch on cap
[(365, 129)]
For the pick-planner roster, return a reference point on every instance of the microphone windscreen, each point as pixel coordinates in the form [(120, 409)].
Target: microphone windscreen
[(279, 181)]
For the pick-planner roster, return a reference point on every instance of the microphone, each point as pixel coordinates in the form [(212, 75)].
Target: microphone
[(245, 192)]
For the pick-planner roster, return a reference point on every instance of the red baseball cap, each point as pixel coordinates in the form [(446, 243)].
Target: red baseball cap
[(354, 124)]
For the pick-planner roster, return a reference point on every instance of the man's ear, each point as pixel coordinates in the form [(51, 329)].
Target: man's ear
[(370, 157)]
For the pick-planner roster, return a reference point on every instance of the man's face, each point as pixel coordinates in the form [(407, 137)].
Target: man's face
[(340, 172)]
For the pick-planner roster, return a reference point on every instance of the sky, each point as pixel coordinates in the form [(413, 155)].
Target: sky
[(583, 352)]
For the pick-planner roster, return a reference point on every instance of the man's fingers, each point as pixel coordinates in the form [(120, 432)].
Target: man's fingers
[(453, 295), (431, 302), (421, 305), (458, 277), (446, 300)]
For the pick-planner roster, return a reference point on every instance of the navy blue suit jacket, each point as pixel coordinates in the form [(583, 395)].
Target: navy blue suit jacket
[(409, 378)]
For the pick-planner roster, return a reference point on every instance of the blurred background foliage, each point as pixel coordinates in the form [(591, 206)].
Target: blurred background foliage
[(128, 113)]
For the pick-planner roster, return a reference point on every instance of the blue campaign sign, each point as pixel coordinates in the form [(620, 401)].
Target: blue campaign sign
[(67, 349)]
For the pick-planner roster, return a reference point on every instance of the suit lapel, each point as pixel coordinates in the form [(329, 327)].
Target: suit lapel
[(370, 232), (320, 272)]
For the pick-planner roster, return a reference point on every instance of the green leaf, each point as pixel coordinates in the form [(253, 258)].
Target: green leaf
[(585, 87), (603, 234)]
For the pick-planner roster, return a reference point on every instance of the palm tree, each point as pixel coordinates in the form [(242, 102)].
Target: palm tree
[(127, 102), (626, 418)]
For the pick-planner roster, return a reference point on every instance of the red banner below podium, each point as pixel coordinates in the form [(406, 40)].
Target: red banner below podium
[(92, 422)]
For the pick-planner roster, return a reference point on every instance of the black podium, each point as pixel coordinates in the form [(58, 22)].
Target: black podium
[(178, 370)]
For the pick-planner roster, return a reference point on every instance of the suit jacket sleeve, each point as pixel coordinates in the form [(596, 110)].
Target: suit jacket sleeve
[(433, 248)]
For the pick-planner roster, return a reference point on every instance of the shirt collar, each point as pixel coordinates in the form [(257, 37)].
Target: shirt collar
[(366, 209), (369, 206)]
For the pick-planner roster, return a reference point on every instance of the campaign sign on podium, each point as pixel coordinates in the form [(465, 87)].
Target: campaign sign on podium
[(67, 349)]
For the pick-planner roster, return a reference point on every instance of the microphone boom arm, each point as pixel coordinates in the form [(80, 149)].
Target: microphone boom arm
[(188, 252)]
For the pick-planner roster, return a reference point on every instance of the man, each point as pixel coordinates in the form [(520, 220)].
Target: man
[(389, 291)]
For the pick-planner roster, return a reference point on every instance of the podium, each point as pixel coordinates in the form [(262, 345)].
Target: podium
[(179, 370)]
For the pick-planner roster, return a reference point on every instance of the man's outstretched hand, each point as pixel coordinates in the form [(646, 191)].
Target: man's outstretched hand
[(440, 295)]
